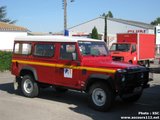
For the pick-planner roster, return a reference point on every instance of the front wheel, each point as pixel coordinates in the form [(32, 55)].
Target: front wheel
[(100, 97), (147, 63), (29, 86)]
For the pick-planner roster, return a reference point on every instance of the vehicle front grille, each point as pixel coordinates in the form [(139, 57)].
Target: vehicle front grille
[(134, 80)]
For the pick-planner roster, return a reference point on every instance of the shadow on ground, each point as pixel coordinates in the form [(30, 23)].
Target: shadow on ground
[(150, 101)]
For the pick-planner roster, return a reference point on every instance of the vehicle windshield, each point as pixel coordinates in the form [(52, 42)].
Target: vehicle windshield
[(120, 47), (93, 48)]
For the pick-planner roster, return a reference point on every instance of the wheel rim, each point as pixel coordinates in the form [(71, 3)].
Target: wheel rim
[(28, 86), (99, 96)]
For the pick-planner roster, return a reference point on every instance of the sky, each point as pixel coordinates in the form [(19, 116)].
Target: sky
[(47, 15)]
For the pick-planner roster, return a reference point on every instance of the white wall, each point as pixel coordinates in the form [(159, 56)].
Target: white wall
[(7, 39), (114, 27), (88, 26), (117, 27)]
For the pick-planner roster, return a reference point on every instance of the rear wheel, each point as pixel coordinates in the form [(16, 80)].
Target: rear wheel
[(100, 97), (29, 86)]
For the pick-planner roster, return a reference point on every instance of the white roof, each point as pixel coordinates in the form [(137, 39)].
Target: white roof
[(53, 39)]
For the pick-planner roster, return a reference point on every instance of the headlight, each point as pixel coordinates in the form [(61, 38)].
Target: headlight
[(121, 75), (121, 71)]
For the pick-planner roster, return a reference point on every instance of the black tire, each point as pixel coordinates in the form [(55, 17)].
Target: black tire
[(100, 97), (29, 87), (132, 98), (130, 62), (147, 63)]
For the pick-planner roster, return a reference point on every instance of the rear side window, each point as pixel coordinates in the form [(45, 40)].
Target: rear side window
[(44, 50), (22, 48)]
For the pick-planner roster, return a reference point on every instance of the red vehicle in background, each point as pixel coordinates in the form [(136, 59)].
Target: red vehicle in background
[(135, 48)]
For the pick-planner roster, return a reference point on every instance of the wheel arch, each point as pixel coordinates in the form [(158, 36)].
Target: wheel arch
[(29, 70), (99, 78), (130, 61)]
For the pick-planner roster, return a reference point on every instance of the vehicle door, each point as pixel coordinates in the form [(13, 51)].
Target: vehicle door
[(68, 65), (44, 60)]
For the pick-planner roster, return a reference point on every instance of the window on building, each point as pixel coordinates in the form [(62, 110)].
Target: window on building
[(22, 48), (44, 50)]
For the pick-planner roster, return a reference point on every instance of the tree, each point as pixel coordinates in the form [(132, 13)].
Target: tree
[(3, 15), (106, 15), (94, 33), (109, 14), (156, 22)]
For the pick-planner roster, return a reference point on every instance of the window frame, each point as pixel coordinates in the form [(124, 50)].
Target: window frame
[(76, 51), (134, 47), (93, 44), (21, 53), (53, 45)]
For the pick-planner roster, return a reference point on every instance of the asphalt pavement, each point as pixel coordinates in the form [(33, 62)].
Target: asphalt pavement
[(72, 105)]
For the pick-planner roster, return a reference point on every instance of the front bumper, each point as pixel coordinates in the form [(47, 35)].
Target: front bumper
[(131, 79)]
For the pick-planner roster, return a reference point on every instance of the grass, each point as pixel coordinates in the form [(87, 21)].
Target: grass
[(5, 60)]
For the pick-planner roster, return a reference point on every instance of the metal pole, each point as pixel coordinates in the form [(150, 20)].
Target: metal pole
[(105, 29), (65, 15), (66, 32)]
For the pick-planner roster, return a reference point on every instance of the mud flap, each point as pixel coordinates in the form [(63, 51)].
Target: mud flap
[(15, 84)]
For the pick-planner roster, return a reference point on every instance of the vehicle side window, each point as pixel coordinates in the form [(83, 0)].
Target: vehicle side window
[(22, 48), (44, 50), (133, 48), (68, 52)]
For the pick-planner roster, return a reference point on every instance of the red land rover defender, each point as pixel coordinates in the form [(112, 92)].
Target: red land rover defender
[(75, 63)]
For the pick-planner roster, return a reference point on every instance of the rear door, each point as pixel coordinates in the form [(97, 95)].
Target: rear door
[(44, 60)]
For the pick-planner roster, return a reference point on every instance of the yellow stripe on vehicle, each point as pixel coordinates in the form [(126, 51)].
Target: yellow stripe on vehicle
[(66, 66)]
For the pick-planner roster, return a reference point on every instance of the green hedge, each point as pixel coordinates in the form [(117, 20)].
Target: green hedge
[(5, 60)]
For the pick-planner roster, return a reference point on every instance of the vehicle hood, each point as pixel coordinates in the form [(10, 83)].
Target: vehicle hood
[(104, 62)]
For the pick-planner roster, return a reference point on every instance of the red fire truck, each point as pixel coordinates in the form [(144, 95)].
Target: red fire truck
[(135, 48), (75, 63)]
